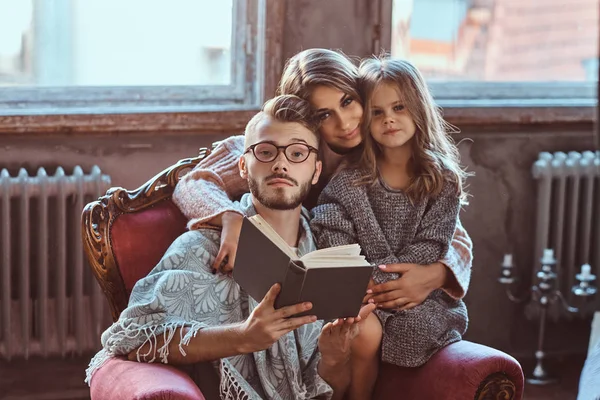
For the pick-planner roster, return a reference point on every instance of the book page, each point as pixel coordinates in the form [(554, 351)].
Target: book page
[(336, 262), (273, 236), (338, 256), (344, 250)]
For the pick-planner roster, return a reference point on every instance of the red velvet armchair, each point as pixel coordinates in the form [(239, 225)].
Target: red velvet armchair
[(125, 233)]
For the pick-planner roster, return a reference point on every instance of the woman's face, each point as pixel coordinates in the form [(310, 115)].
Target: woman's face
[(340, 117)]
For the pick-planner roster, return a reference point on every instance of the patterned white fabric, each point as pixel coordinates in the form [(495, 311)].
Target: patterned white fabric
[(181, 291)]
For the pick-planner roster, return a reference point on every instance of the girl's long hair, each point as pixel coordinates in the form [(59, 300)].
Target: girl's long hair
[(434, 155)]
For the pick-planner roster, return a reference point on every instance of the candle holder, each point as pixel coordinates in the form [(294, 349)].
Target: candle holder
[(542, 295)]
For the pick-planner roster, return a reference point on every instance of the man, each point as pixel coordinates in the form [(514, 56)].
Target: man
[(183, 313)]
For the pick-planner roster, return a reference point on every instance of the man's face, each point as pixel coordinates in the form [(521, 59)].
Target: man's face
[(280, 184)]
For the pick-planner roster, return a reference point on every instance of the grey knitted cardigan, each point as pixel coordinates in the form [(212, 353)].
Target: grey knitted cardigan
[(390, 229)]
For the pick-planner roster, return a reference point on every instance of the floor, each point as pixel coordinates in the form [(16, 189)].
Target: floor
[(567, 370), (40, 379)]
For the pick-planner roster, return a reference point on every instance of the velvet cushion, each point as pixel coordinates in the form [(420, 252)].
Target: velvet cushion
[(120, 379), (140, 239), (455, 372)]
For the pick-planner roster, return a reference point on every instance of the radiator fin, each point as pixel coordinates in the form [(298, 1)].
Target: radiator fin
[(50, 304), (568, 212)]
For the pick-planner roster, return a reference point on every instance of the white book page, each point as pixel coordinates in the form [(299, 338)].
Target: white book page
[(352, 250), (338, 256), (336, 262)]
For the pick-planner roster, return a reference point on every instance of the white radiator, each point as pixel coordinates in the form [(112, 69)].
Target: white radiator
[(50, 304), (568, 212)]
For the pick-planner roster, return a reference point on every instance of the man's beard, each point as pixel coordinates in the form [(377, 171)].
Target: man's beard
[(278, 200)]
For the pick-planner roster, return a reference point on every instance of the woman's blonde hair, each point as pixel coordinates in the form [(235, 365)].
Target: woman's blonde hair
[(434, 157), (319, 67)]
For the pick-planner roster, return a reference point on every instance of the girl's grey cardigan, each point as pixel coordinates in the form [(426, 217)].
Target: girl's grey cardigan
[(391, 230)]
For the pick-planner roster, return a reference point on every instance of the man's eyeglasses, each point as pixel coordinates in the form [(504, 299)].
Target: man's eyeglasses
[(267, 152)]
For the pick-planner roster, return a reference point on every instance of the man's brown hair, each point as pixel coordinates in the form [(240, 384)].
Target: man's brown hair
[(287, 108)]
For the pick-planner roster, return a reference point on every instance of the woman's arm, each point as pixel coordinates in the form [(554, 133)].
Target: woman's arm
[(205, 193), (458, 262)]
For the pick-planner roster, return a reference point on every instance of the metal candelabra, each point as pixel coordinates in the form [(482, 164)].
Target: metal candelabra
[(543, 294)]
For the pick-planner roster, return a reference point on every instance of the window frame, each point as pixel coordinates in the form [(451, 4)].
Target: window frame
[(256, 22), (162, 118), (499, 102)]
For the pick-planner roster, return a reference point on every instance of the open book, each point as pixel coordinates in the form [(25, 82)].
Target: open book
[(334, 279)]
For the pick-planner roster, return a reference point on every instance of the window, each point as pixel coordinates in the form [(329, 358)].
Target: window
[(508, 52), (60, 56)]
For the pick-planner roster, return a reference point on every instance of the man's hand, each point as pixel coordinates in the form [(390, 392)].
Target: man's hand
[(230, 235), (335, 338), (411, 289), (265, 325)]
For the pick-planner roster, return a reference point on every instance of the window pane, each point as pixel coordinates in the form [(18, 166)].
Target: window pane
[(498, 40), (115, 42)]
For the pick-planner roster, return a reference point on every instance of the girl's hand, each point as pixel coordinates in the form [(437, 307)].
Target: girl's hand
[(411, 289), (230, 235), (369, 296)]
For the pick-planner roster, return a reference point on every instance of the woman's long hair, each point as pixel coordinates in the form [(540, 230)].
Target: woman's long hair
[(319, 67), (434, 156)]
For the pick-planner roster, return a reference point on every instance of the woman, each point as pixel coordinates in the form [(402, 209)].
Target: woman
[(329, 81)]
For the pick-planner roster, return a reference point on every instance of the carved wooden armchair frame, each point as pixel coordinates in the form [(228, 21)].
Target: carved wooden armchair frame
[(98, 217)]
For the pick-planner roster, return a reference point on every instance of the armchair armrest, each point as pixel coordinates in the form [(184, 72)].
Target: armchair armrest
[(462, 370), (120, 379)]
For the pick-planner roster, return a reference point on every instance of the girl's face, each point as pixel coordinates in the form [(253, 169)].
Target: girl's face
[(391, 124), (340, 117)]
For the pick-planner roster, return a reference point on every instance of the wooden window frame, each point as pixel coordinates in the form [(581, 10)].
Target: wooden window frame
[(193, 109), (486, 103)]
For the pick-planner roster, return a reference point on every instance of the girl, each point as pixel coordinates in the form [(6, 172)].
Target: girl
[(400, 203), (329, 81)]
